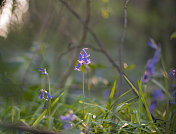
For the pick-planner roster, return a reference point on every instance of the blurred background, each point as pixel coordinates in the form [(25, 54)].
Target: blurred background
[(42, 33)]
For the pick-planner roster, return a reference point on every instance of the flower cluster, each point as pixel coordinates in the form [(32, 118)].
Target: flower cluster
[(46, 96), (69, 117), (43, 70), (83, 59), (150, 67)]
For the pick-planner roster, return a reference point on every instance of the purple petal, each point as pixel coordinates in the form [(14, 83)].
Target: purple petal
[(81, 57), (84, 52), (152, 106), (49, 97), (67, 126), (158, 95), (145, 77), (152, 44), (41, 69), (42, 95), (77, 67), (64, 118), (45, 107)]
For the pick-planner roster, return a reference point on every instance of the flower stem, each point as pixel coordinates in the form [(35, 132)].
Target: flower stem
[(49, 102), (83, 89), (13, 112)]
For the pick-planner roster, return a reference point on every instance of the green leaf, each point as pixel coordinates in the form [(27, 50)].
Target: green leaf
[(144, 101), (173, 35), (111, 95)]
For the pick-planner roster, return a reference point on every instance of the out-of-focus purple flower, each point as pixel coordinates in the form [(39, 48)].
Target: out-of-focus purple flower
[(69, 117), (43, 70), (174, 94), (152, 106), (45, 105), (172, 74), (150, 67), (158, 95), (151, 63), (20, 132), (64, 118), (67, 126), (72, 117), (152, 44), (42, 94), (145, 77)]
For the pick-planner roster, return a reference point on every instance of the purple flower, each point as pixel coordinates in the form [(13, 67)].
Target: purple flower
[(48, 95), (152, 44), (43, 70), (77, 67), (87, 60), (64, 118), (67, 126), (42, 94), (84, 52), (172, 74), (152, 106), (151, 63), (145, 77), (158, 95), (72, 117), (174, 94), (45, 105), (83, 59)]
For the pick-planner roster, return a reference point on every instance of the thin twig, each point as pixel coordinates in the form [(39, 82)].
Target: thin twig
[(22, 127), (96, 39), (45, 21), (122, 43)]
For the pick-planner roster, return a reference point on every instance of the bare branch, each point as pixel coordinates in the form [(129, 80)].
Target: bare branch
[(22, 127), (96, 39), (122, 42), (81, 42)]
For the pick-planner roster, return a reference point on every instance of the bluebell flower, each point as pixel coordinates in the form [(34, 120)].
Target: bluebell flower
[(80, 58), (84, 52), (151, 63), (87, 60), (158, 95), (64, 118), (48, 95), (172, 74), (43, 70), (69, 117), (152, 106), (145, 77), (77, 67), (83, 59), (67, 126), (42, 94), (45, 105), (150, 67), (152, 44)]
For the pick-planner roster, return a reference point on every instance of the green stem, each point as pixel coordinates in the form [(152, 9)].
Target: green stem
[(13, 112), (83, 89), (49, 103)]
